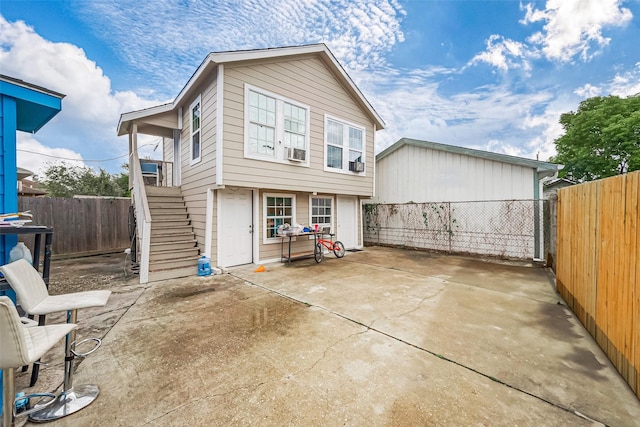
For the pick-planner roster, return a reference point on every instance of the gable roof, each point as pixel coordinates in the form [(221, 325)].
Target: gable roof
[(35, 105), (497, 157), (215, 58), (564, 182)]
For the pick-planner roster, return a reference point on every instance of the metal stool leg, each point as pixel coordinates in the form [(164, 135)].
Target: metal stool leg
[(9, 393), (71, 399)]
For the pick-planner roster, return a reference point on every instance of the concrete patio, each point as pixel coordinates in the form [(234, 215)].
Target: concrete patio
[(380, 337)]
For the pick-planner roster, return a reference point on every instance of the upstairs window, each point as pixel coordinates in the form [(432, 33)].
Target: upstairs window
[(195, 116), (274, 127), (262, 124), (295, 126), (344, 146)]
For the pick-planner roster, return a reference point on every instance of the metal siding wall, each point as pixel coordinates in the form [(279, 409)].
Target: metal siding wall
[(424, 175)]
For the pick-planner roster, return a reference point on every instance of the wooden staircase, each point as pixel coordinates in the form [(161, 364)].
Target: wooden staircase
[(174, 251)]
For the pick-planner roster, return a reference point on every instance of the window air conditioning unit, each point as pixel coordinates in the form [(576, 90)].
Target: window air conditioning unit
[(356, 166), (296, 154)]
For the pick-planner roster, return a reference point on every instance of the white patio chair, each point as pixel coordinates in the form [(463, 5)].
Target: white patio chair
[(34, 298), (19, 346)]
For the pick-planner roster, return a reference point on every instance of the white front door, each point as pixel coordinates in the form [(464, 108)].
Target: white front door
[(235, 228), (347, 227)]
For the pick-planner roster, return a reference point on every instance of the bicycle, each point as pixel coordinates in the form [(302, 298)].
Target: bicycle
[(336, 247)]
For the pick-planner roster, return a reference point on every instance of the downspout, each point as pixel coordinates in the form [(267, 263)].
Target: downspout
[(537, 238)]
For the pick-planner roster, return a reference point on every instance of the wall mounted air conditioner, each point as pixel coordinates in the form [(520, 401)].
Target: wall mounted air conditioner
[(296, 154), (356, 166)]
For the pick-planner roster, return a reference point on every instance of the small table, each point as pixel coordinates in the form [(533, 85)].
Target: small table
[(288, 257), (38, 231)]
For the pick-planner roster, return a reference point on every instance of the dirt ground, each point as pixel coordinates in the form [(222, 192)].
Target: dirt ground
[(90, 273)]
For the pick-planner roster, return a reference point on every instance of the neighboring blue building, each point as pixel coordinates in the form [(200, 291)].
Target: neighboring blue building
[(25, 107)]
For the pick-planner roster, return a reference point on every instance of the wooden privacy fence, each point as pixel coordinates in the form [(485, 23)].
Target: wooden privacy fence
[(81, 226), (598, 269)]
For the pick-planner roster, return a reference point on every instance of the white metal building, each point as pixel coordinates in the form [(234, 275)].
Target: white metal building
[(421, 171), (458, 200)]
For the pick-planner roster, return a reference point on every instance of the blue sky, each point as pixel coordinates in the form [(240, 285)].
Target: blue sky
[(491, 75)]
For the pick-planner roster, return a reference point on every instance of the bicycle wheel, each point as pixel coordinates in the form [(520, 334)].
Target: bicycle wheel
[(317, 252), (338, 249)]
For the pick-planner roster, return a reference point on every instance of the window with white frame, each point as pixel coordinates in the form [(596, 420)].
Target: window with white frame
[(321, 212), (195, 116), (278, 210), (273, 125), (262, 124), (344, 146)]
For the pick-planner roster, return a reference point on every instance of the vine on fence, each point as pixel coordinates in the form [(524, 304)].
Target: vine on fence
[(444, 223), (371, 217)]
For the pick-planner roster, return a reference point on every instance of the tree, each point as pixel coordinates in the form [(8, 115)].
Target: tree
[(601, 139), (63, 180)]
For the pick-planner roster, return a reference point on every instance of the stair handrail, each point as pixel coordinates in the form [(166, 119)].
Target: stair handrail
[(143, 214)]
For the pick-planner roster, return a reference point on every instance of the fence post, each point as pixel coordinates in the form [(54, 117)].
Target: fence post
[(449, 229), (553, 231)]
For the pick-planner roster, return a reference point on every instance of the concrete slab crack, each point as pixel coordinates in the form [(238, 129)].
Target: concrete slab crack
[(397, 316), (326, 350), (369, 327)]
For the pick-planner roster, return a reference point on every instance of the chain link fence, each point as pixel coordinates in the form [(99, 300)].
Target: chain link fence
[(503, 228)]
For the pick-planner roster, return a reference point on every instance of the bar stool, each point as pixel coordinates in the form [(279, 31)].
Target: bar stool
[(21, 346), (33, 296)]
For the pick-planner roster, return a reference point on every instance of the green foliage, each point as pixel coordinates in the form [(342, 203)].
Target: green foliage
[(63, 180), (371, 216), (601, 139)]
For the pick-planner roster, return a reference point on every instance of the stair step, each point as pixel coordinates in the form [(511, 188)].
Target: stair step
[(172, 238), (174, 249), (172, 245), (165, 217), (168, 202), (182, 230), (166, 223), (173, 274), (168, 211), (175, 264), (159, 205), (173, 254), (152, 190)]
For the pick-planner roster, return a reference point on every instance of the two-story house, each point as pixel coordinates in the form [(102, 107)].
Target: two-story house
[(254, 140)]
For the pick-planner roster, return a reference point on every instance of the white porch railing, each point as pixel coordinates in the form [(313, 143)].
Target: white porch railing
[(143, 214)]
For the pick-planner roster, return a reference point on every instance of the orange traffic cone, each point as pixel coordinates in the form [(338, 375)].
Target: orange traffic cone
[(260, 269)]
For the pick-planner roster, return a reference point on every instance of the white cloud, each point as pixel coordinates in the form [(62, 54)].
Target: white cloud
[(359, 32), (489, 117), (622, 84), (90, 110), (587, 91), (547, 124), (626, 84), (504, 54), (36, 157), (574, 27)]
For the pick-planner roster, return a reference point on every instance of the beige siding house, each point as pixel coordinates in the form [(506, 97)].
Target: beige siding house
[(255, 139)]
